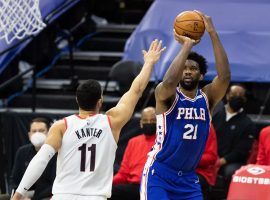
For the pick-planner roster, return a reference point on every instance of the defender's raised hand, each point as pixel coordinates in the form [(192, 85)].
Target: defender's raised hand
[(154, 52)]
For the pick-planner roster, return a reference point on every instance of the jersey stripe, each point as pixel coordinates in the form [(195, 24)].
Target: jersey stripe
[(173, 105)]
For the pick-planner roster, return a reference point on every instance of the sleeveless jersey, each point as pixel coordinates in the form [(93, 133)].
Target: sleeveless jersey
[(182, 132), (85, 159)]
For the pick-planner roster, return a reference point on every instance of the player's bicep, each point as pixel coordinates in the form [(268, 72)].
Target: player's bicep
[(215, 91), (164, 92), (55, 135)]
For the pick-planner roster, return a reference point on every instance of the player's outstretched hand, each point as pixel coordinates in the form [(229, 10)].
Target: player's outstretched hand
[(209, 26), (183, 39), (17, 196), (154, 52)]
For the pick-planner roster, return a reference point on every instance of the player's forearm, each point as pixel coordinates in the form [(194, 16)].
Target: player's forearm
[(175, 71), (140, 82), (35, 168), (222, 63)]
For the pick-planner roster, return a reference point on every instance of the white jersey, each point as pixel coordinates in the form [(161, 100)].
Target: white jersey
[(86, 157)]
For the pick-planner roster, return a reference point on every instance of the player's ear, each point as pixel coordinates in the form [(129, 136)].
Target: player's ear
[(99, 103), (201, 77)]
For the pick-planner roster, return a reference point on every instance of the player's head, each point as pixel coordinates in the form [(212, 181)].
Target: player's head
[(38, 132), (236, 96), (89, 95), (148, 121), (194, 71)]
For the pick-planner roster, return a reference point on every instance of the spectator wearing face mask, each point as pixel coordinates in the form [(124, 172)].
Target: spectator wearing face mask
[(235, 132), (37, 134), (126, 183)]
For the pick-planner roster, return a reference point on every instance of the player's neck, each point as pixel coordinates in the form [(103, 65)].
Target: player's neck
[(84, 113), (189, 93)]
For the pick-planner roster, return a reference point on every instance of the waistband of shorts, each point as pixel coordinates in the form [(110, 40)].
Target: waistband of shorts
[(160, 167)]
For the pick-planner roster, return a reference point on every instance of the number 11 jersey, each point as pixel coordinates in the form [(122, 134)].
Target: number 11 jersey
[(85, 159), (182, 132)]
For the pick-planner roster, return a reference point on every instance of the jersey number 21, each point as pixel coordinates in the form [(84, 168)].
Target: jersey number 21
[(190, 132)]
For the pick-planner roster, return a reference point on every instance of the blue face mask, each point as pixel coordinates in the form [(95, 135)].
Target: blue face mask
[(149, 128)]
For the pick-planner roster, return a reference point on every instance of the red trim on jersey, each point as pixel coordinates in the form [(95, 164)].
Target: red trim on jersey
[(207, 104), (65, 120), (164, 125), (109, 120), (188, 98), (79, 116)]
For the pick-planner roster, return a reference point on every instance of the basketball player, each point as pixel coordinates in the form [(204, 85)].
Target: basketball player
[(183, 121), (86, 143)]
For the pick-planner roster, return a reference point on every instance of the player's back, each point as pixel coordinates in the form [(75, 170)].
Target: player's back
[(85, 159)]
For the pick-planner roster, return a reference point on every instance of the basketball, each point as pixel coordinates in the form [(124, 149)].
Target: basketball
[(190, 24)]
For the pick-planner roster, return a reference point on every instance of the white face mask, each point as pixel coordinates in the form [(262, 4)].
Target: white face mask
[(38, 139)]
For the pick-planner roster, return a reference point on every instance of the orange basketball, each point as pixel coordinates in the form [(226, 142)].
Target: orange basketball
[(190, 24)]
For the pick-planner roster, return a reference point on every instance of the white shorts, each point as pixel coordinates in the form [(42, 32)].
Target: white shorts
[(76, 197)]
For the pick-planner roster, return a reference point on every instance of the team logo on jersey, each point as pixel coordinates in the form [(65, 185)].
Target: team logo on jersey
[(191, 113)]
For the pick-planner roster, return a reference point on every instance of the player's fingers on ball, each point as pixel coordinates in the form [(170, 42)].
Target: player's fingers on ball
[(197, 41), (175, 34), (199, 12)]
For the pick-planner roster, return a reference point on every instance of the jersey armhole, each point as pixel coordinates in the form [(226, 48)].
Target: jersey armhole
[(207, 104), (66, 125), (173, 104), (109, 120)]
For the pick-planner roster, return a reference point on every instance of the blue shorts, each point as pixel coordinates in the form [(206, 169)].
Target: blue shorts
[(162, 183)]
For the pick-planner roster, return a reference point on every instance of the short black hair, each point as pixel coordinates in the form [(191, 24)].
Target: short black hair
[(44, 120), (200, 60), (88, 93)]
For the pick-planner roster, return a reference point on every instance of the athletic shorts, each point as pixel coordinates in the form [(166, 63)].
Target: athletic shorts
[(76, 197), (163, 183)]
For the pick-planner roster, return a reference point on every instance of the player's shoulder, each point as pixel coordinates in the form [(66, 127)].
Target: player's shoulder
[(60, 125), (59, 122)]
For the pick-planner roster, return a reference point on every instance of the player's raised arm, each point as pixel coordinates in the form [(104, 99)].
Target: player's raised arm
[(41, 159), (166, 89), (216, 90), (122, 112)]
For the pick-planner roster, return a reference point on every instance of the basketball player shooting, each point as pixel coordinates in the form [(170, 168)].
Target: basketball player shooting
[(86, 143), (183, 121)]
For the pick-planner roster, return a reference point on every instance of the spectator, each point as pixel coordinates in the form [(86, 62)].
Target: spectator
[(234, 131), (39, 128), (263, 157), (207, 167), (126, 183)]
